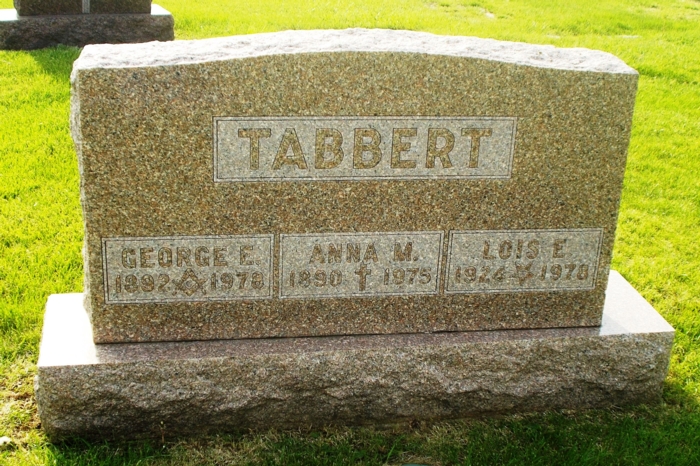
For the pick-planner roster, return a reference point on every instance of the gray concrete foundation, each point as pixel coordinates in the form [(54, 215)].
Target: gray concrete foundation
[(154, 389), (35, 32)]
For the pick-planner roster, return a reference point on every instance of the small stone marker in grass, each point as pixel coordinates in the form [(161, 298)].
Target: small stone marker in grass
[(34, 24), (316, 227)]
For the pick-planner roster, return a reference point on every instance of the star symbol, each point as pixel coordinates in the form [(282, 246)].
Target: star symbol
[(523, 272)]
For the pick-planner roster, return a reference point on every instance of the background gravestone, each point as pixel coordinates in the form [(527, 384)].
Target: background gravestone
[(35, 24), (423, 223)]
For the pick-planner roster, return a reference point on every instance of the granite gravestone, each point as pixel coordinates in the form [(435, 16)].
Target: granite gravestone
[(427, 220), (34, 24), (360, 183)]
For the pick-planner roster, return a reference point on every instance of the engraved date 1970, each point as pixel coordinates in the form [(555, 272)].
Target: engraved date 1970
[(492, 261)]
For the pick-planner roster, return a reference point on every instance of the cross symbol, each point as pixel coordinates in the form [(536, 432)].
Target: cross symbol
[(362, 272)]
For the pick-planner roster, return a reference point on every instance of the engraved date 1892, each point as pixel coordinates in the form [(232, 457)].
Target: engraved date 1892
[(189, 283)]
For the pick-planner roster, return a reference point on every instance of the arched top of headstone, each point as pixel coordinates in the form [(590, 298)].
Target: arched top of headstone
[(348, 40)]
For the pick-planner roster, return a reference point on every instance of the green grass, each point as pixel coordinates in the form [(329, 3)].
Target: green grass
[(657, 246)]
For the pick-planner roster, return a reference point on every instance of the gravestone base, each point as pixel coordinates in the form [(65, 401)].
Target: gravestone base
[(154, 389), (34, 32)]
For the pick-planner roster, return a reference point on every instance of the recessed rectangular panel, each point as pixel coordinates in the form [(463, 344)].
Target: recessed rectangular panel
[(359, 264), (523, 260), (187, 268), (358, 148)]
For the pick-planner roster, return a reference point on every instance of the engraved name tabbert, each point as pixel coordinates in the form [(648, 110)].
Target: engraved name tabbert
[(366, 150), (355, 148)]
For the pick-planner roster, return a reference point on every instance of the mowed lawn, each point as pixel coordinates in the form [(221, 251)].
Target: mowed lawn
[(657, 247)]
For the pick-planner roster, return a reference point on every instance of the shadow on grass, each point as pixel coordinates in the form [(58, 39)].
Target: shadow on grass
[(675, 395), (658, 434), (56, 61)]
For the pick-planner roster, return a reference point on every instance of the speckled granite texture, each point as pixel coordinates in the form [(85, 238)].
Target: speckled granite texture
[(76, 7), (35, 32), (153, 124), (154, 389), (120, 6), (48, 7)]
